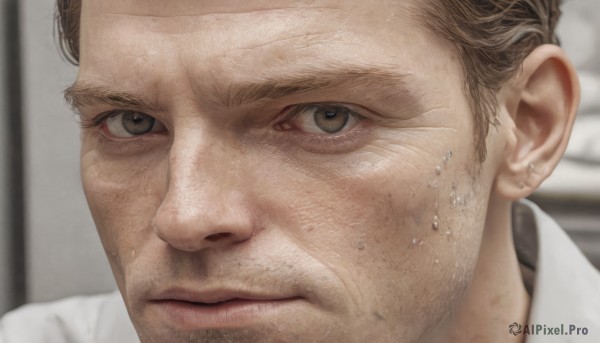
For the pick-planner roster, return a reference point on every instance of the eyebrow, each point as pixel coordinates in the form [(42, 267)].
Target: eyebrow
[(82, 94), (359, 78)]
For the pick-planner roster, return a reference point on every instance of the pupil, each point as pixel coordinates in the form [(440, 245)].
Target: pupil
[(137, 119), (137, 123), (331, 119), (330, 114)]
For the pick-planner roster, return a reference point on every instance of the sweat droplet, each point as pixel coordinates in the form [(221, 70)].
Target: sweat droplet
[(361, 245), (435, 225), (438, 170), (436, 261), (414, 241)]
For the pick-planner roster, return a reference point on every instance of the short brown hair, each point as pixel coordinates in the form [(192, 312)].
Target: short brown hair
[(492, 38)]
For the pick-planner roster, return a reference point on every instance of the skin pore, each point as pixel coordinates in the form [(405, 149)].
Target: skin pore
[(317, 155)]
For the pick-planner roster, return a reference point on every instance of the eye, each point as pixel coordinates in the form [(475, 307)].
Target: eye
[(125, 124), (323, 118)]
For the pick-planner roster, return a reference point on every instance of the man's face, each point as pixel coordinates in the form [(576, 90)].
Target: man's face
[(279, 170)]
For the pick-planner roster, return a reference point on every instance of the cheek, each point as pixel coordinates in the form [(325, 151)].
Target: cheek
[(400, 232), (123, 196)]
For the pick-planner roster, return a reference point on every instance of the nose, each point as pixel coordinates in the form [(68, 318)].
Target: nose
[(205, 204)]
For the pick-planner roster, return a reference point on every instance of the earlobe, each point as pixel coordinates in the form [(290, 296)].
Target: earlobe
[(541, 108)]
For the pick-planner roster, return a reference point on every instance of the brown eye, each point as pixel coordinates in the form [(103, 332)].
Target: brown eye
[(126, 124), (324, 119)]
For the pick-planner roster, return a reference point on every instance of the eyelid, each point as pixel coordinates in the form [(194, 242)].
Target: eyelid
[(291, 112), (100, 118), (342, 142), (101, 121)]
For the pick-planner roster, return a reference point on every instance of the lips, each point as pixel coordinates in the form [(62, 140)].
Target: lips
[(212, 296), (192, 310)]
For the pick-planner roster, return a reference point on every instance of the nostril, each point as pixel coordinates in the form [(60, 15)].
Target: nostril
[(218, 236)]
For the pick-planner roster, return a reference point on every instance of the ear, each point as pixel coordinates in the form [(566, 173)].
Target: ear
[(540, 107)]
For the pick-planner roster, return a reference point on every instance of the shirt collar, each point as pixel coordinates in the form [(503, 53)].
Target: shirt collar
[(565, 287)]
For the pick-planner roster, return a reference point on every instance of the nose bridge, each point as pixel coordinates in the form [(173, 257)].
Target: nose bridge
[(205, 204), (197, 160)]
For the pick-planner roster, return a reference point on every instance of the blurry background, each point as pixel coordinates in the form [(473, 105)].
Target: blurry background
[(48, 244)]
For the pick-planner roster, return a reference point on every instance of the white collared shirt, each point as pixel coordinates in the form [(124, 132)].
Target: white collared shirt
[(566, 288)]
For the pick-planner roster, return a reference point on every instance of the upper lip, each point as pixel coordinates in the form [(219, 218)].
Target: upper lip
[(213, 296)]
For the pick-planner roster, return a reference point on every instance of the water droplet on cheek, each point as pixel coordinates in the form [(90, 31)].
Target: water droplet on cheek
[(448, 157), (438, 170), (416, 241), (435, 223)]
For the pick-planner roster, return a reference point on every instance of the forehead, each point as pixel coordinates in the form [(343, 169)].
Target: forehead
[(224, 29), (159, 45), (206, 11)]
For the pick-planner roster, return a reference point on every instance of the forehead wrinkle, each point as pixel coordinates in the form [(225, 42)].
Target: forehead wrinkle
[(177, 17), (157, 20), (182, 8), (307, 38), (150, 15)]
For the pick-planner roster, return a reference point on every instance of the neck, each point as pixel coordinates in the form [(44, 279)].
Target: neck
[(496, 296)]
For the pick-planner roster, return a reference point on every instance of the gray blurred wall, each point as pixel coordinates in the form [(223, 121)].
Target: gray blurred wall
[(4, 196), (64, 255)]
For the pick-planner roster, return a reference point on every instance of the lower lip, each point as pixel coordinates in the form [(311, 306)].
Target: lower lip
[(234, 313)]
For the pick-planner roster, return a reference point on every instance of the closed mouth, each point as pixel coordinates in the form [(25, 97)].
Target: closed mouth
[(210, 310)]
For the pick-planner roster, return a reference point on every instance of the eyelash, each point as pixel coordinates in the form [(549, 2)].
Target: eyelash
[(313, 142), (324, 143), (98, 120)]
